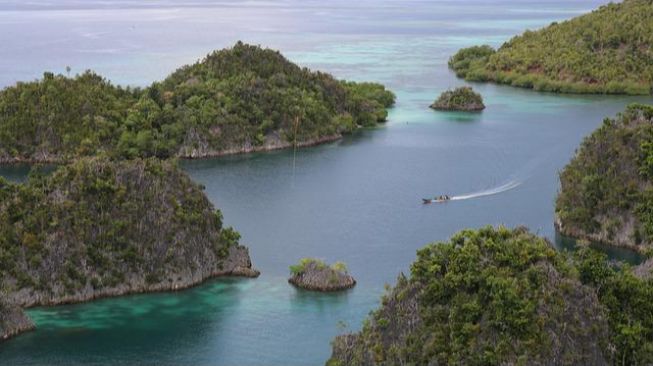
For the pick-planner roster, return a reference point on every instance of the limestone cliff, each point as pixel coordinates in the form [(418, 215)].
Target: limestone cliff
[(98, 228)]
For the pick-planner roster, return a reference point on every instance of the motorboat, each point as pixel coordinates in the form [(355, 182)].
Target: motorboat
[(439, 199)]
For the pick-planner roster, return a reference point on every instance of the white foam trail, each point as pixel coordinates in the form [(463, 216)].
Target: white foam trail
[(489, 192)]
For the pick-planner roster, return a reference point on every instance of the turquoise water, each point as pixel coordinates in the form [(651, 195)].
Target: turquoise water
[(356, 200)]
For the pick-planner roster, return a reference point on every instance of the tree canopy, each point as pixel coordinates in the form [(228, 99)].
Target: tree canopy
[(235, 100)]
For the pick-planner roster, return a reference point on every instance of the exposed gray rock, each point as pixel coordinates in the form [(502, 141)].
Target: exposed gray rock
[(237, 263), (314, 275), (196, 146), (99, 228), (13, 320), (644, 270)]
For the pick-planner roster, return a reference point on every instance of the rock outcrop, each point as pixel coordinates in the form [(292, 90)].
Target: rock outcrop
[(644, 270), (13, 320), (315, 275)]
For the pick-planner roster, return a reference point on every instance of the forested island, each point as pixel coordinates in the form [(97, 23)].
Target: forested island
[(460, 99), (607, 51), (240, 99), (97, 228), (507, 297), (606, 190)]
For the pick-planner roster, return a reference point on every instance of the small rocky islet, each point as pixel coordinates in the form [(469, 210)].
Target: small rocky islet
[(315, 275), (463, 99)]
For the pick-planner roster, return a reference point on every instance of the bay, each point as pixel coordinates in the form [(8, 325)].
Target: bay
[(356, 200)]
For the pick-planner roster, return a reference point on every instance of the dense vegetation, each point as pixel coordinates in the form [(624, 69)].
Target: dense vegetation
[(99, 228), (305, 263), (57, 118), (235, 100), (459, 99), (607, 51), (485, 297), (500, 296), (607, 188), (627, 300)]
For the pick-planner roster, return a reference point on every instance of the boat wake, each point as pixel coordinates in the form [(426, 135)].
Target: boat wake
[(488, 192), (516, 180)]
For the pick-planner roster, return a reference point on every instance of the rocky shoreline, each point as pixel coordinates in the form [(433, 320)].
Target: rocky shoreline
[(7, 160), (272, 144), (602, 237), (13, 321), (237, 264)]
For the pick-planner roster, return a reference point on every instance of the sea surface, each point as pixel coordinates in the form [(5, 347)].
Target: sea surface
[(357, 200)]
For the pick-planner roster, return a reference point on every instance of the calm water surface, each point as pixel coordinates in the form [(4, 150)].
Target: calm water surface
[(357, 200)]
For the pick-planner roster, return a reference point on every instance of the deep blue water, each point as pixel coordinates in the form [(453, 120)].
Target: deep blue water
[(356, 200)]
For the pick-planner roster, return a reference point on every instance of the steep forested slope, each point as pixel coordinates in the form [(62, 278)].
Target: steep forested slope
[(607, 189), (506, 297), (98, 228)]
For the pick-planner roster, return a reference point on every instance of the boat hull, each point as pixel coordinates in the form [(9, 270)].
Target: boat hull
[(429, 201)]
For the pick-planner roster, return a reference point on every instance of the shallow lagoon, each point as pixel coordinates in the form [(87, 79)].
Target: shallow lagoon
[(357, 200)]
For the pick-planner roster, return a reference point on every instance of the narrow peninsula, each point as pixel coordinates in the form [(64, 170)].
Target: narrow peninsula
[(315, 275), (236, 100), (606, 191), (463, 99), (506, 297), (98, 228), (607, 51)]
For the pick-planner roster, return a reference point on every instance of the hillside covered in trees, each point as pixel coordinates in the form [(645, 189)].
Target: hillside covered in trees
[(96, 228), (240, 99), (506, 297), (607, 189), (607, 51)]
